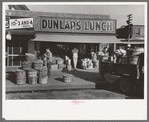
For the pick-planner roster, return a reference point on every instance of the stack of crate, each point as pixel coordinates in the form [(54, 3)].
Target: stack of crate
[(58, 64), (61, 64)]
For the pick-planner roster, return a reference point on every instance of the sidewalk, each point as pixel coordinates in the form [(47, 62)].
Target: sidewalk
[(81, 79)]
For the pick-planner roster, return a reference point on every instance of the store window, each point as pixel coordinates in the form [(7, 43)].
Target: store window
[(15, 51)]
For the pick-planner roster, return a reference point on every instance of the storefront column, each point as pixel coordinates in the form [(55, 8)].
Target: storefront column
[(31, 47)]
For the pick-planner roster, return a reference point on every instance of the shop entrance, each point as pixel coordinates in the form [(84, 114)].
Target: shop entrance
[(15, 52)]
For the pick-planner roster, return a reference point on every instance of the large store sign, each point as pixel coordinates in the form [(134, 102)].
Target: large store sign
[(19, 23), (77, 25)]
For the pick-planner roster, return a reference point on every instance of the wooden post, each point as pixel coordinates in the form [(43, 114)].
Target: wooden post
[(101, 70)]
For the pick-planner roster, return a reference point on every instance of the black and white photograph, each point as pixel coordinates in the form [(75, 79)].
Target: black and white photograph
[(75, 55)]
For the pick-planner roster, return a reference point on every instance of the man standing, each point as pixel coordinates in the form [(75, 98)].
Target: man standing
[(48, 56), (75, 57)]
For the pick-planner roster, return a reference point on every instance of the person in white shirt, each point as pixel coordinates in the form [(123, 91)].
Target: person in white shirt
[(119, 53), (75, 57)]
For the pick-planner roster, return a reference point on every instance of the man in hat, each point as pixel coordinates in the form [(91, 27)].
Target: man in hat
[(48, 56)]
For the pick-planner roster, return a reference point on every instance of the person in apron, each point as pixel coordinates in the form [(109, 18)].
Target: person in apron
[(48, 57)]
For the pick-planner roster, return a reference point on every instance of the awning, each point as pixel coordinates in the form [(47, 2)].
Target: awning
[(134, 41), (21, 32), (30, 33), (88, 38)]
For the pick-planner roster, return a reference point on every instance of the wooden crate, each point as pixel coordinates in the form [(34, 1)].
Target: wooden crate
[(61, 66), (53, 61), (54, 67)]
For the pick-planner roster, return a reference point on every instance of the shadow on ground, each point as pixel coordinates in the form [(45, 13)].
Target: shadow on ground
[(93, 76), (85, 75), (59, 79)]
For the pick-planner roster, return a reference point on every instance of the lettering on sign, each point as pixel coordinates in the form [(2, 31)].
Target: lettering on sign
[(77, 25), (7, 22), (21, 23)]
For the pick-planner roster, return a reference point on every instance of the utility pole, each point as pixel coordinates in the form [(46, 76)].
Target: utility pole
[(129, 22)]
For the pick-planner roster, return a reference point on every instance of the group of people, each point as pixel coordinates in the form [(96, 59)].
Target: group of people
[(117, 54), (48, 56)]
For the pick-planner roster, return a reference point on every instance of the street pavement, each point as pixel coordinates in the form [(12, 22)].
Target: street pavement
[(72, 94), (67, 94)]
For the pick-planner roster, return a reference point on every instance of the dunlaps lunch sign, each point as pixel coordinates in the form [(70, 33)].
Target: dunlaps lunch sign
[(77, 25)]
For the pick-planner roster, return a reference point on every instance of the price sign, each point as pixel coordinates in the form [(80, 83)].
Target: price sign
[(21, 23)]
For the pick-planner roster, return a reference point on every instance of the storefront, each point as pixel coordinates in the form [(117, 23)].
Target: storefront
[(19, 32), (61, 32)]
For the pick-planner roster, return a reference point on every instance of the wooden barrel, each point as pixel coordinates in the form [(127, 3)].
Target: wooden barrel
[(32, 80), (42, 80), (67, 78), (20, 73), (20, 80), (26, 65), (32, 73), (30, 57), (37, 64), (42, 72)]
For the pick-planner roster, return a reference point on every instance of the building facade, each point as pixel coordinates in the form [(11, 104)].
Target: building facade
[(59, 31)]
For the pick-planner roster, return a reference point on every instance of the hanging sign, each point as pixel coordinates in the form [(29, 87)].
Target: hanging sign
[(77, 25), (20, 23)]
